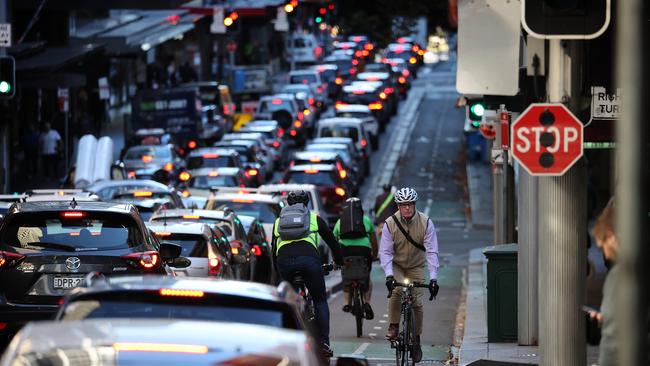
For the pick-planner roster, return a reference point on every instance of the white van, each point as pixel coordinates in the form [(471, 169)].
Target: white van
[(304, 48)]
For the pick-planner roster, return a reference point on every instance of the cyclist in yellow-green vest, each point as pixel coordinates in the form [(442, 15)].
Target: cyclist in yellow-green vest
[(362, 246), (295, 247), (384, 206)]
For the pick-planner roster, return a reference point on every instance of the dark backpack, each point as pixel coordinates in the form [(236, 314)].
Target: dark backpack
[(352, 226), (294, 222)]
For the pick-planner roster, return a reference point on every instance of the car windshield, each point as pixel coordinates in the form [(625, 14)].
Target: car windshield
[(191, 245), (303, 79), (264, 212), (203, 182), (155, 152), (353, 114), (210, 161), (342, 151), (321, 178), (340, 131), (71, 231), (154, 306)]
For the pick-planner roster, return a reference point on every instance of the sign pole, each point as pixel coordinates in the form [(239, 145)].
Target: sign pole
[(562, 239), (498, 190)]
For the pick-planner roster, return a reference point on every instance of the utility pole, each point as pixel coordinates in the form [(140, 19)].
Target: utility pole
[(562, 248), (632, 178), (503, 186), (5, 167)]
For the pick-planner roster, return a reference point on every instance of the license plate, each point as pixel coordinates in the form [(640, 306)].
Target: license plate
[(67, 282)]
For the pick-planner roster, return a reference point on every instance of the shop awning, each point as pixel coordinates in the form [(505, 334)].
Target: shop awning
[(51, 59), (138, 30)]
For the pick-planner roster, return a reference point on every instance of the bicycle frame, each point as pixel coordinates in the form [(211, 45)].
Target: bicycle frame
[(405, 340)]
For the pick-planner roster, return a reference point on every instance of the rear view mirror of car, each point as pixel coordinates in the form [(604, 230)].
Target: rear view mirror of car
[(180, 262), (169, 251)]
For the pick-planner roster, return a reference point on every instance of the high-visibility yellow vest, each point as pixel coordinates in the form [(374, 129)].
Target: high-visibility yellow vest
[(311, 238)]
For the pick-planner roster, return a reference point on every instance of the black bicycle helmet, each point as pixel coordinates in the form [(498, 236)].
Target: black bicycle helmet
[(297, 197)]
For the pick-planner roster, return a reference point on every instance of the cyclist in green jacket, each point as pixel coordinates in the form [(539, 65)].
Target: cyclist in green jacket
[(365, 246)]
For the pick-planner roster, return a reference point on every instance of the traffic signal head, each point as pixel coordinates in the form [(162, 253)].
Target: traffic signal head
[(7, 77), (318, 20), (476, 109), (230, 19)]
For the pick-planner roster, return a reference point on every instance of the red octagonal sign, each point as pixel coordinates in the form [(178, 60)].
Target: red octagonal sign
[(547, 139)]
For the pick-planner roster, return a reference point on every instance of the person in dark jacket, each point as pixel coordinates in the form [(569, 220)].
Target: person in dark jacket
[(301, 255), (384, 206)]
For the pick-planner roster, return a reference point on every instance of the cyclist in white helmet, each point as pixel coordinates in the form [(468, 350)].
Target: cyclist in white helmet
[(408, 242)]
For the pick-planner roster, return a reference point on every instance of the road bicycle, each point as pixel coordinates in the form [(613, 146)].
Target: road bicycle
[(406, 338), (355, 277)]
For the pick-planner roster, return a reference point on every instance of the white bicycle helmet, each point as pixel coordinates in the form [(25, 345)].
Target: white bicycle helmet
[(406, 195)]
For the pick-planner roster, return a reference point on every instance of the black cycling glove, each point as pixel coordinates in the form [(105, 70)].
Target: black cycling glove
[(390, 283), (434, 288)]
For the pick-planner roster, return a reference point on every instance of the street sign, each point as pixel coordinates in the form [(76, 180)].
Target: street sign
[(547, 139), (231, 46), (217, 26), (604, 105), (5, 34), (504, 121), (64, 99), (562, 19)]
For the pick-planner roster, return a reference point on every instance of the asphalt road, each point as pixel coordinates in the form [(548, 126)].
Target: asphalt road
[(432, 163)]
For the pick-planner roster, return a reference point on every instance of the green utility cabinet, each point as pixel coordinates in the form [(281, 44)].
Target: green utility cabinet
[(502, 292)]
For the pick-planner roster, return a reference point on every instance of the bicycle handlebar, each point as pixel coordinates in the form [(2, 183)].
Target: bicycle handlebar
[(412, 285), (329, 267)]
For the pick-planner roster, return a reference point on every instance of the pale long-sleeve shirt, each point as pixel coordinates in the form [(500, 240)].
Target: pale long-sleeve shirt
[(387, 251)]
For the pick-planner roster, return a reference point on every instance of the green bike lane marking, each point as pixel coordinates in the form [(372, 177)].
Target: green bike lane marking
[(381, 349)]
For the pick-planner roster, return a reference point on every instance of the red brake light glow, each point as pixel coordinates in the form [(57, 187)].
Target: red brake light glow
[(293, 133), (276, 101), (340, 191), (276, 144), (312, 171), (213, 174), (210, 156), (131, 174), (214, 266), (144, 260), (180, 292), (163, 233), (192, 144), (252, 172), (169, 167), (315, 160), (142, 194), (256, 250), (382, 95), (412, 60), (185, 193), (147, 158), (297, 123), (241, 200), (234, 251), (401, 80), (364, 143), (280, 132), (8, 258), (73, 214), (338, 81), (375, 106), (343, 174)]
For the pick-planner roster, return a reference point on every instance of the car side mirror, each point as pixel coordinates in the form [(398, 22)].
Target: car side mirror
[(351, 360), (180, 262), (169, 251)]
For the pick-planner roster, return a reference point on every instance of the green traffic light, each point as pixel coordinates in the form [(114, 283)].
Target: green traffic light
[(318, 20), (478, 109), (476, 124), (5, 87)]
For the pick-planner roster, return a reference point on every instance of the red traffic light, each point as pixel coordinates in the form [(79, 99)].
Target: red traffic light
[(322, 11)]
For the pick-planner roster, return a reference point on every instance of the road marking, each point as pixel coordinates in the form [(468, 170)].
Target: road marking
[(361, 348), (376, 328), (385, 315), (372, 334), (428, 208), (383, 321)]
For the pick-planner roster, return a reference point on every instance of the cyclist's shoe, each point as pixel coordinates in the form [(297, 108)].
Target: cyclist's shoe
[(346, 308), (417, 350), (393, 329), (367, 310), (326, 350)]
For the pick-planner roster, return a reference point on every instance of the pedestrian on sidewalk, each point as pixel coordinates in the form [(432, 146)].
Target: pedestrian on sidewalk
[(384, 206), (408, 241), (50, 148)]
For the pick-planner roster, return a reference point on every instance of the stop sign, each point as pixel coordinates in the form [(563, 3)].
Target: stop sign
[(547, 139)]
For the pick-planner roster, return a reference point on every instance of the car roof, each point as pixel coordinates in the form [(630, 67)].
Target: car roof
[(247, 143), (231, 341), (323, 155), (208, 285), (297, 86), (303, 72), (129, 182), (220, 171), (242, 136), (79, 197), (259, 128), (340, 120), (256, 197), (363, 88), (332, 140), (322, 67), (277, 96), (179, 212), (319, 167), (373, 74), (352, 108), (185, 227), (212, 150), (67, 206)]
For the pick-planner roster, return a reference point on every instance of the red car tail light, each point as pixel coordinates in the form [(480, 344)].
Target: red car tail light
[(252, 172), (184, 176), (338, 81), (293, 133), (364, 143), (401, 80), (73, 214), (340, 191), (147, 158), (256, 250), (192, 144), (214, 266), (276, 144), (9, 259), (169, 167), (145, 260), (375, 106), (280, 132)]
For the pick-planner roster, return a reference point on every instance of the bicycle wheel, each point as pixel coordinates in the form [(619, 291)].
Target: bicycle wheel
[(408, 333), (358, 310), (411, 336)]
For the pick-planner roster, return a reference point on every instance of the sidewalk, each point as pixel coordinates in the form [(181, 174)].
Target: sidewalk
[(479, 182), (475, 349)]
